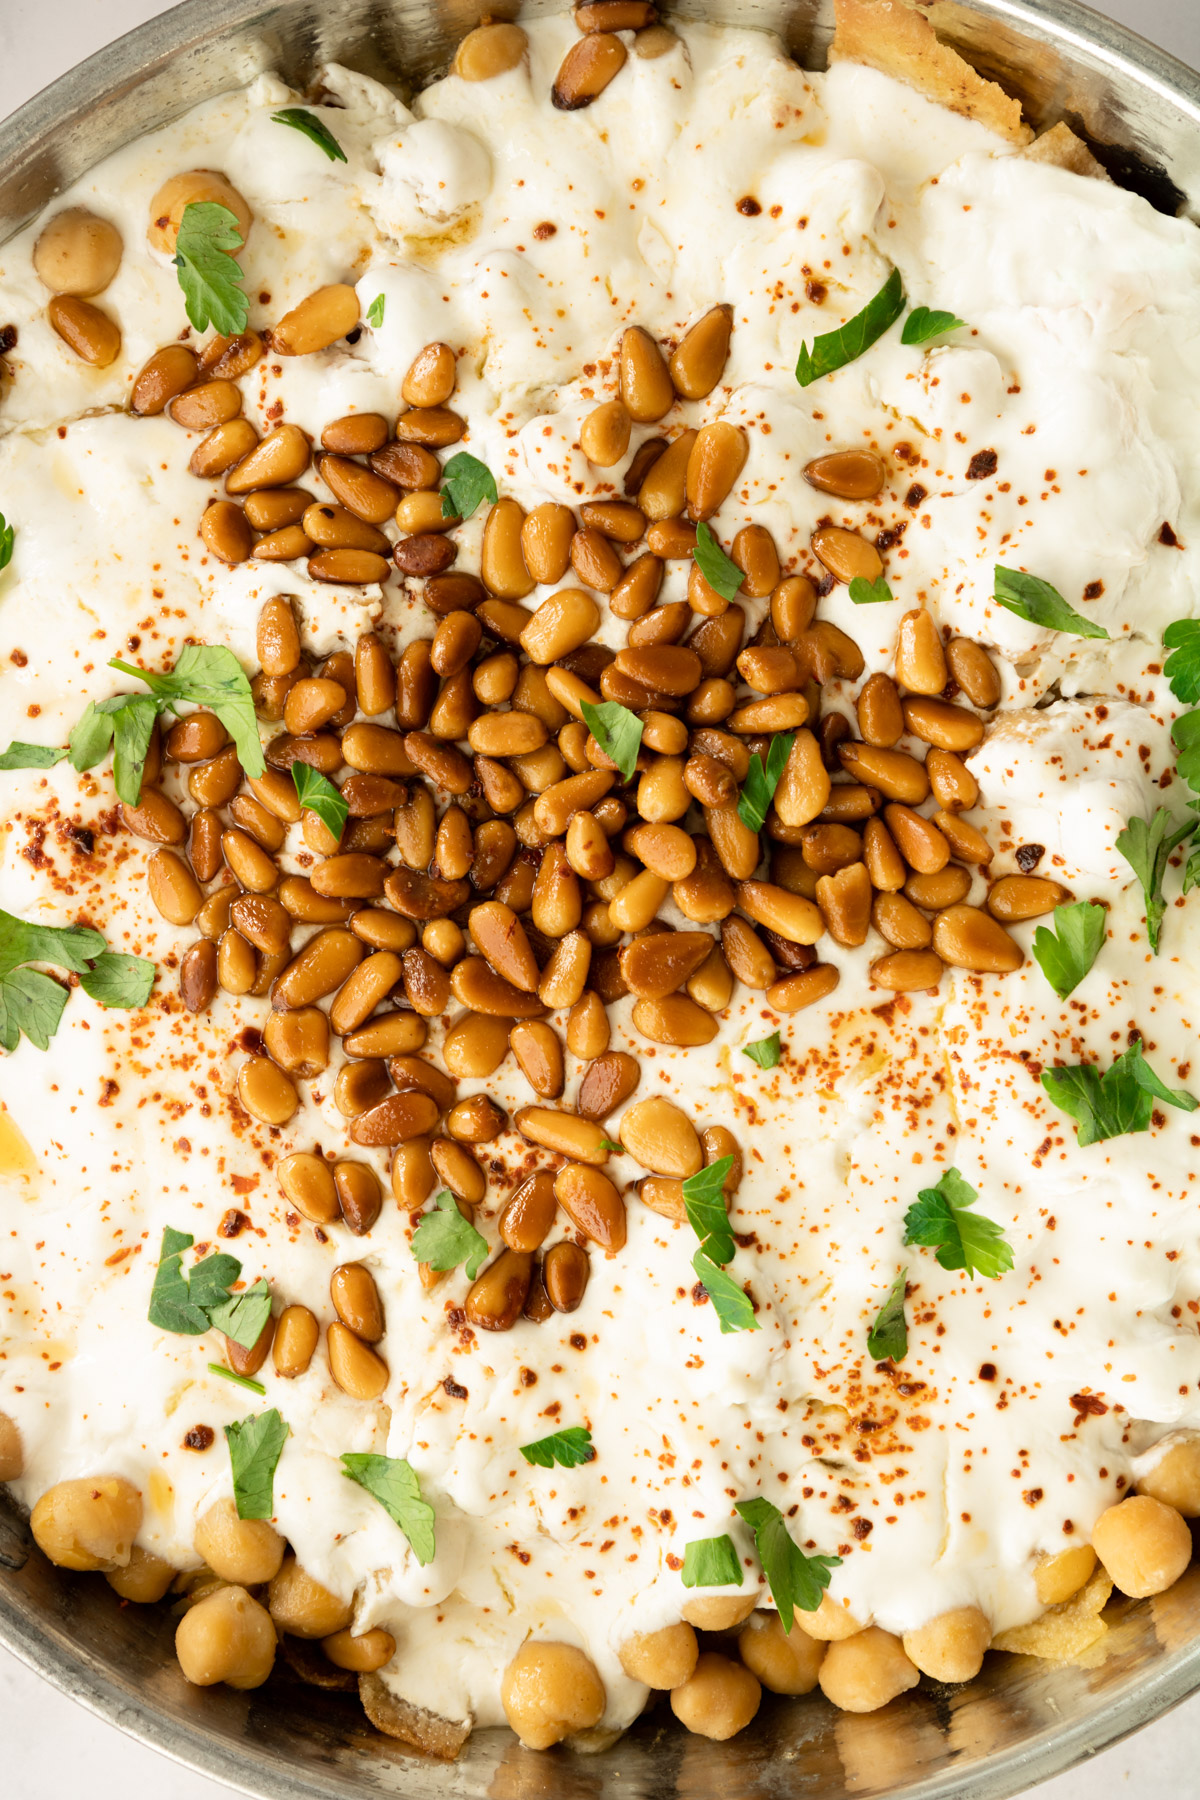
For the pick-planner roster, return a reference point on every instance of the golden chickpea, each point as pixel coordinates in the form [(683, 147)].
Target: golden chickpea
[(361, 1652), (662, 1659), (77, 253), (243, 1551), (550, 1691), (1175, 1477), (787, 1662), (226, 1637), (12, 1453), (1144, 1545), (719, 1612), (88, 1524), (1056, 1578), (145, 1578), (863, 1672), (303, 1607), (831, 1622), (950, 1647), (718, 1699), (195, 185)]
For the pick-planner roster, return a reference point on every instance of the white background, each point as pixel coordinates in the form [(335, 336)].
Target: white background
[(56, 1741)]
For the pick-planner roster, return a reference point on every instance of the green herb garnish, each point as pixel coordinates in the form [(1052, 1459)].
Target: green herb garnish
[(711, 1562), (30, 756), (795, 1580), (33, 1002), (758, 790), (570, 1449), (941, 1219), (255, 1446), (923, 324), (209, 276), (206, 675), (888, 1336), (766, 1053), (190, 1305), (834, 349), (1035, 601), (1182, 667), (1146, 846), (468, 483), (242, 1316), (444, 1238), (731, 1303), (720, 571), (300, 119), (7, 534), (375, 314), (869, 593), (617, 731), (1065, 954), (1116, 1103), (393, 1482), (708, 1215), (246, 1381), (317, 794)]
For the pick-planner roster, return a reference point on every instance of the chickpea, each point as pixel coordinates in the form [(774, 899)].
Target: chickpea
[(77, 253), (1144, 1545), (950, 1647), (166, 208), (243, 1551), (1174, 1479), (831, 1621), (361, 1653), (787, 1662), (303, 1607), (863, 1672), (145, 1578), (662, 1659), (549, 1691), (718, 1699), (12, 1453), (719, 1612), (1058, 1577), (226, 1637), (88, 1524)]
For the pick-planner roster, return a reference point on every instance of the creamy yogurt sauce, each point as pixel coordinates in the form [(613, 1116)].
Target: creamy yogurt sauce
[(1055, 433)]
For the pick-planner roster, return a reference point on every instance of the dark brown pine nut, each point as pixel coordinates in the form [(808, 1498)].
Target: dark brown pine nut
[(565, 1270), (198, 975), (495, 1300)]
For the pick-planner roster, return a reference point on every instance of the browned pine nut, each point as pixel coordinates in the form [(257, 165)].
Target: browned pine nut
[(490, 50), (895, 773), (296, 1336), (967, 938), (319, 320), (966, 843), (85, 329), (907, 971), (920, 659), (266, 1092), (646, 387), (663, 493), (355, 1367), (699, 362), (850, 474), (846, 554), (225, 532), (495, 1300), (754, 552), (224, 446), (604, 436), (298, 1041), (592, 1204), (939, 722), (1016, 897), (974, 671), (716, 460), (278, 461), (675, 1020), (546, 541), (168, 372), (198, 974)]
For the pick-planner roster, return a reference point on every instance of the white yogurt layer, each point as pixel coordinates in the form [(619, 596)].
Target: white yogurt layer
[(940, 1484)]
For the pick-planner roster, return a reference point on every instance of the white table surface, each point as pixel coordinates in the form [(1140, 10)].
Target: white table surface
[(56, 1741)]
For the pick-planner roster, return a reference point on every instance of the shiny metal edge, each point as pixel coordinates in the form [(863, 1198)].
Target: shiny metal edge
[(1064, 60)]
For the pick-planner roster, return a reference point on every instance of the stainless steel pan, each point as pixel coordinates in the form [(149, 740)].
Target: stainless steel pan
[(1021, 1720)]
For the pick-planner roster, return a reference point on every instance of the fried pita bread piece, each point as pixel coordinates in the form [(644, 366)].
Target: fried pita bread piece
[(1061, 147), (895, 38), (398, 1718)]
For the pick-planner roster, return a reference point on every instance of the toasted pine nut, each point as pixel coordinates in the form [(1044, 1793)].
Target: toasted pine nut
[(646, 387), (778, 712), (885, 865), (209, 404), (920, 842), (495, 1300), (954, 786), (168, 372), (793, 603), (84, 328), (318, 320), (974, 671), (747, 956), (278, 639), (845, 902), (434, 426), (790, 916), (321, 967), (332, 527), (502, 565), (880, 715), (356, 1368), (895, 773), (595, 561), (269, 509), (566, 1132), (564, 976), (897, 919), (154, 818), (939, 722), (278, 461), (604, 436), (716, 460), (663, 493), (676, 1020), (967, 938), (846, 554), (637, 590), (754, 552), (298, 1041), (829, 847), (539, 1056), (173, 888), (1016, 897), (308, 1185), (396, 1119), (920, 659), (224, 447), (592, 1204), (296, 1336), (906, 971), (938, 888), (638, 901), (266, 1092), (546, 541), (966, 843), (699, 362), (660, 964), (794, 992), (225, 531), (804, 786), (490, 50), (850, 474)]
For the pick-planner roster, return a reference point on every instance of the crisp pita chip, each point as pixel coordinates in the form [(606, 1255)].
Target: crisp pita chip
[(1061, 147), (1064, 1633), (310, 1664), (411, 1724), (891, 36)]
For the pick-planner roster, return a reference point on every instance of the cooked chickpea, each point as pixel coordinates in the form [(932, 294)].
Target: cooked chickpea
[(243, 1551), (303, 1607), (12, 1453), (88, 1523), (950, 1647), (362, 1652), (719, 1612), (787, 1662), (77, 253), (187, 189), (831, 1622), (1056, 1578), (144, 1579), (662, 1659), (549, 1691), (863, 1672), (1144, 1545), (226, 1637), (718, 1699), (1174, 1479)]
